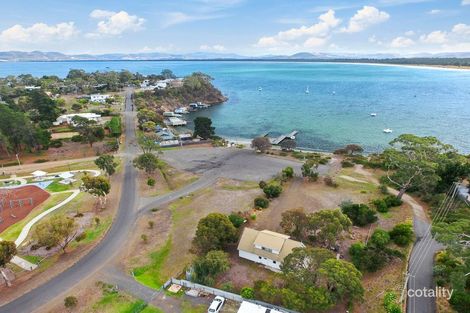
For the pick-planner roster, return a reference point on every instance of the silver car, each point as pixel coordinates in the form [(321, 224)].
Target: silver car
[(216, 305)]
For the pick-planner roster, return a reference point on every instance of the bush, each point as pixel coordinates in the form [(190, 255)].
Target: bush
[(272, 191), (402, 234), (383, 189), (80, 237), (393, 201), (330, 182), (380, 205), (144, 238), (55, 143), (261, 202), (41, 161), (288, 172), (360, 214), (368, 258), (347, 163), (380, 238), (151, 182), (262, 184), (70, 302), (236, 220), (76, 138), (247, 293)]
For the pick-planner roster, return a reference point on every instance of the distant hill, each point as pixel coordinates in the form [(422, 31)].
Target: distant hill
[(454, 59)]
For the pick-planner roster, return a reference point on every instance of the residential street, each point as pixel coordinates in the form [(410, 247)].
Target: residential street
[(210, 163)]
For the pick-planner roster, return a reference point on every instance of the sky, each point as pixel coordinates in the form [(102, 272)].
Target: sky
[(246, 27)]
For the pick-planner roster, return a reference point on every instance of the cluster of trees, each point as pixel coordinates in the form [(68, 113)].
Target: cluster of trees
[(312, 280), (203, 128), (322, 228), (148, 161), (213, 234), (24, 121), (273, 189), (375, 254)]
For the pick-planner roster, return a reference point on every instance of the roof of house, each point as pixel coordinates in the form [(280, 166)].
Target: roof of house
[(39, 173), (248, 307), (268, 239)]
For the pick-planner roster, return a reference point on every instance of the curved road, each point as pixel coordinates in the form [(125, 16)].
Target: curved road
[(208, 162)]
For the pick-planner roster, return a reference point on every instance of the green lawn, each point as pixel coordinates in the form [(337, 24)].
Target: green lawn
[(114, 302), (95, 231), (57, 187), (150, 275), (187, 307), (12, 232)]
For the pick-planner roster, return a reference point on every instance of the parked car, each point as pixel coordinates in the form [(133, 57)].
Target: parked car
[(216, 305)]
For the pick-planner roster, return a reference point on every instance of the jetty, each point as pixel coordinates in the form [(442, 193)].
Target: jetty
[(277, 141)]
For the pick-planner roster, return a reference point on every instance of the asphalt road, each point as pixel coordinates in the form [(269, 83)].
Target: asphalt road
[(210, 163)]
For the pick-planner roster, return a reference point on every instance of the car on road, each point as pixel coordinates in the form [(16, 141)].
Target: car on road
[(216, 305)]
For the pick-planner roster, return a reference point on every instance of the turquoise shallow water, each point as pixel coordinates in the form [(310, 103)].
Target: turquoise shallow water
[(335, 112)]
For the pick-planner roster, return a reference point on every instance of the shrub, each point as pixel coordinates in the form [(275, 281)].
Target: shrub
[(151, 224), (151, 182), (41, 161), (236, 220), (383, 189), (380, 238), (393, 201), (402, 234), (329, 181), (70, 302), (80, 237), (347, 163), (76, 138), (261, 202), (360, 214), (272, 190), (380, 205), (262, 184), (55, 143), (288, 172), (247, 293), (144, 238)]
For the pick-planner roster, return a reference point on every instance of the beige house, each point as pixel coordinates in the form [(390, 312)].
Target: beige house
[(266, 247)]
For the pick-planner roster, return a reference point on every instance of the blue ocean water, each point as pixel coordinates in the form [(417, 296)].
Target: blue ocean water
[(335, 112)]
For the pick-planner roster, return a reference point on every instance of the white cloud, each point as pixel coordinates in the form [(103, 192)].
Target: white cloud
[(115, 23), (401, 42), (410, 33), (465, 2), (316, 34), (435, 37), (38, 33), (461, 29), (434, 12), (364, 18), (218, 48), (175, 18)]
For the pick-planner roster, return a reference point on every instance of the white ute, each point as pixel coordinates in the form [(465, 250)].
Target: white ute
[(216, 305)]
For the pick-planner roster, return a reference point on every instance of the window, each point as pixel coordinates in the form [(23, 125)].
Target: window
[(274, 262), (267, 249), (259, 257)]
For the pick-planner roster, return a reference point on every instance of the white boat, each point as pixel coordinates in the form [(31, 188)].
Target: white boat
[(260, 89), (373, 114), (388, 131), (307, 91), (182, 110), (334, 92), (171, 114)]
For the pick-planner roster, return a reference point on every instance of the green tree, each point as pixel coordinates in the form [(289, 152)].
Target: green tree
[(76, 107), (203, 127), (149, 143), (207, 267), (342, 279), (327, 226), (272, 190), (261, 202), (7, 252), (168, 74), (412, 162), (309, 170), (58, 230), (70, 302), (147, 162), (300, 267), (294, 223), (89, 131), (288, 172), (261, 144), (96, 186), (214, 232), (106, 163), (247, 293)]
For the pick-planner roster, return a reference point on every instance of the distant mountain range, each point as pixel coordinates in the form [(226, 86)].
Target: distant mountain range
[(57, 56)]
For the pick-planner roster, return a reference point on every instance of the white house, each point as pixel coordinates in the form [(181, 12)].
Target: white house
[(38, 175), (68, 118), (99, 98), (174, 121), (266, 247), (248, 307)]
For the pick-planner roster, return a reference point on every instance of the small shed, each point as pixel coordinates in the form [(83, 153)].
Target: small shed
[(39, 174), (67, 178)]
